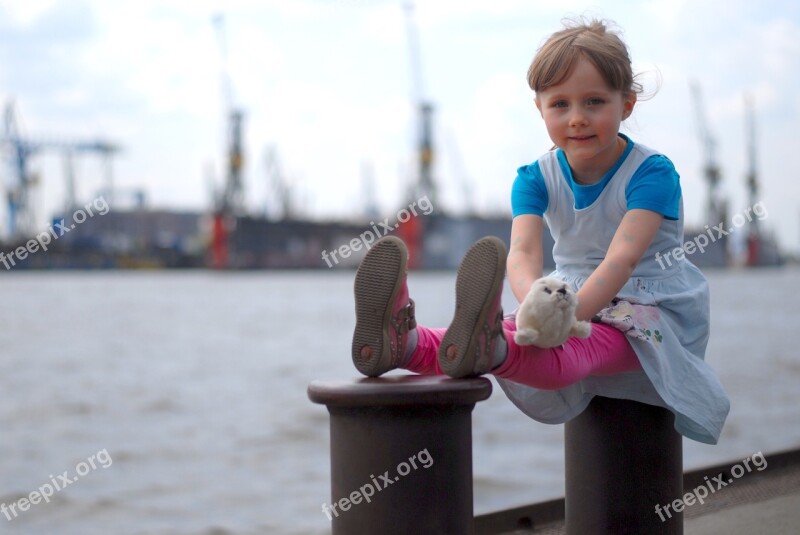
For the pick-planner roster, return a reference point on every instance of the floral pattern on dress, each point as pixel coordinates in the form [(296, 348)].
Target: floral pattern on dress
[(635, 320)]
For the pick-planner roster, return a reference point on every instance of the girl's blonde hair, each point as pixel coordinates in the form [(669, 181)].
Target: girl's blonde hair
[(583, 39)]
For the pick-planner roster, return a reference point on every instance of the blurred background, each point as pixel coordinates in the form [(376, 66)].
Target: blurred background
[(314, 111), (235, 144)]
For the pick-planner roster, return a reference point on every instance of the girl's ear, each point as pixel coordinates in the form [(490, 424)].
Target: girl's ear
[(538, 104), (628, 102)]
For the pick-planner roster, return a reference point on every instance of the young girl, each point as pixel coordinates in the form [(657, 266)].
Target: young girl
[(612, 206)]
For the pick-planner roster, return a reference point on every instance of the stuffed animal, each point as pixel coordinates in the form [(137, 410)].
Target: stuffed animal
[(546, 317)]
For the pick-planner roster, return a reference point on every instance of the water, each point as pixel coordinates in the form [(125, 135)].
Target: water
[(195, 385)]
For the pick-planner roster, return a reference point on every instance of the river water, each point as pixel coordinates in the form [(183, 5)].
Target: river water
[(175, 402)]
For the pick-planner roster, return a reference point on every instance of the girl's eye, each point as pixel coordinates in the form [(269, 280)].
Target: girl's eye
[(596, 101), (560, 104)]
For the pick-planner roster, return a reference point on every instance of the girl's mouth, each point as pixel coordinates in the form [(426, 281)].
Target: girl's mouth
[(581, 138)]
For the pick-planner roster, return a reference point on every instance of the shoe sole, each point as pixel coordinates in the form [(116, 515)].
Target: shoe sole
[(479, 278), (376, 287)]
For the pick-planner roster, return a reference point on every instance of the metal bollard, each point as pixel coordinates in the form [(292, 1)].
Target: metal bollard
[(377, 427), (622, 459)]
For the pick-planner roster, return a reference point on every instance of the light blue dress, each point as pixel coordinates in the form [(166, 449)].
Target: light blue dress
[(665, 306)]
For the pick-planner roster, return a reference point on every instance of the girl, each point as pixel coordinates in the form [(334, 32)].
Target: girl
[(612, 206)]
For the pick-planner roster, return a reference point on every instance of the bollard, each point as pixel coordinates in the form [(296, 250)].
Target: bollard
[(378, 425), (622, 459)]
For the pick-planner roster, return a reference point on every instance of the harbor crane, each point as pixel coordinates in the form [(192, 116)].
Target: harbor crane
[(752, 175), (278, 186), (413, 231), (425, 150), (230, 202), (762, 250), (717, 206), (20, 150)]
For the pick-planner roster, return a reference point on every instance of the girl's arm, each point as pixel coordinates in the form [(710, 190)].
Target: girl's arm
[(633, 237), (524, 264)]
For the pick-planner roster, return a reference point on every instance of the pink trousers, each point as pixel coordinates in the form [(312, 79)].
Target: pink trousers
[(605, 352)]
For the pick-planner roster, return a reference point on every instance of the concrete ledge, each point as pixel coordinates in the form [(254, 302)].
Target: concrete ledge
[(766, 501)]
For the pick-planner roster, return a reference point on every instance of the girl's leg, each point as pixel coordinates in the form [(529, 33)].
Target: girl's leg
[(424, 358), (606, 352), (474, 339), (384, 311), (476, 327), (386, 335)]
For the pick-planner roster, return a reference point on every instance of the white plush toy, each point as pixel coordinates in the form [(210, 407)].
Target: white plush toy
[(546, 317)]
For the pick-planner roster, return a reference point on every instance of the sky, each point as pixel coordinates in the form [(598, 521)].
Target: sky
[(326, 87)]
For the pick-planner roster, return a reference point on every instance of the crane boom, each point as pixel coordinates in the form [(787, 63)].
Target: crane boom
[(18, 194)]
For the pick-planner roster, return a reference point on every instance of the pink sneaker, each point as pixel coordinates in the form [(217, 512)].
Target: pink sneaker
[(384, 312), (468, 346)]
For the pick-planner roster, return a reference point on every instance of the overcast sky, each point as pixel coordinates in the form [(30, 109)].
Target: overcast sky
[(327, 83)]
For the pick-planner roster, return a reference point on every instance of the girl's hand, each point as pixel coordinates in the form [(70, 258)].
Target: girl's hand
[(634, 235)]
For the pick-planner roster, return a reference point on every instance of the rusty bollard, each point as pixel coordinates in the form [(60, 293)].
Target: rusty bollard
[(623, 458), (401, 453)]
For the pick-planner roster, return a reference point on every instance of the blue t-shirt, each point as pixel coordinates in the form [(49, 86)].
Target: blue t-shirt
[(654, 186)]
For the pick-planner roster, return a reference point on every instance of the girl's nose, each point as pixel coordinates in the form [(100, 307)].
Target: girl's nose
[(577, 118)]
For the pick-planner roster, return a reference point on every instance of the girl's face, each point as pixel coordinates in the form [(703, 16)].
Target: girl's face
[(582, 115)]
